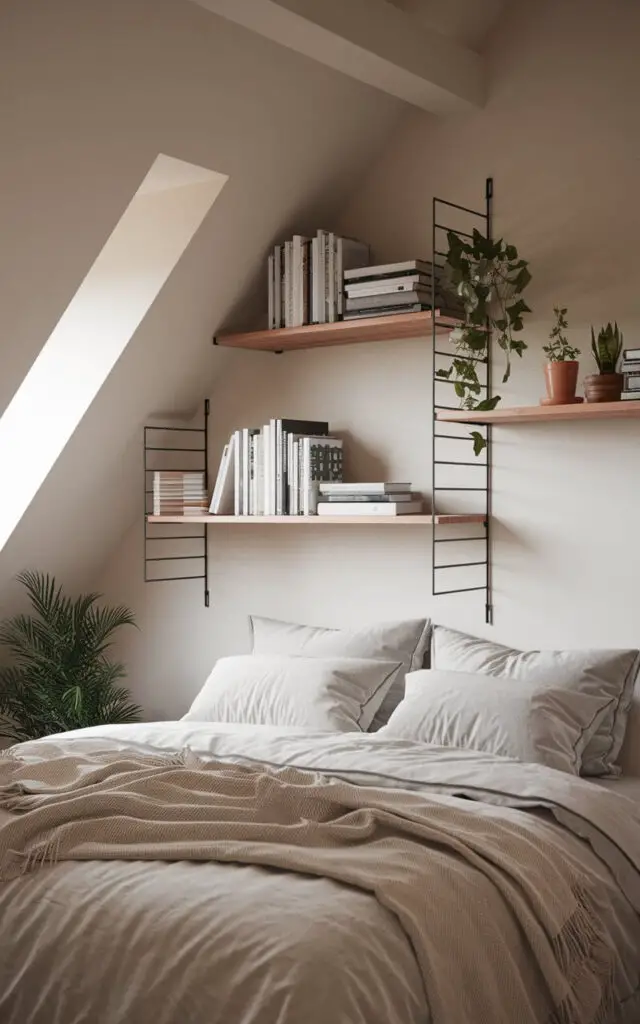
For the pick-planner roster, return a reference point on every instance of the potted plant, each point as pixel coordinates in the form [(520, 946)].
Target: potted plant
[(607, 384), (561, 371), (489, 277), (61, 677)]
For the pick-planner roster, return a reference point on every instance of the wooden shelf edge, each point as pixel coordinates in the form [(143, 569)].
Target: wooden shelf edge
[(342, 332), (545, 413), (444, 519)]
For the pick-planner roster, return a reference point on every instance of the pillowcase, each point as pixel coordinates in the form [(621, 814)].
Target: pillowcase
[(609, 673), (532, 721), (327, 694), (406, 642)]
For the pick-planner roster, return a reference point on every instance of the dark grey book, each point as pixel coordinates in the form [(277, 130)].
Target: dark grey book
[(316, 428)]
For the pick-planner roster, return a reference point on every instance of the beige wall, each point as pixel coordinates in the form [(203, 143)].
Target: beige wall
[(558, 135), (90, 93)]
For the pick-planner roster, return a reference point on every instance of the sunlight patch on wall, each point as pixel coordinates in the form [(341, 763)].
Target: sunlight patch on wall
[(93, 332)]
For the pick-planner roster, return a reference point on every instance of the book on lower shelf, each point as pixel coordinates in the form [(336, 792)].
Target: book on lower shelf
[(375, 508), (179, 493)]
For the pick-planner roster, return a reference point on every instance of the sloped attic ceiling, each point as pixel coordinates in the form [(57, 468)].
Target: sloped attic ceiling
[(90, 93)]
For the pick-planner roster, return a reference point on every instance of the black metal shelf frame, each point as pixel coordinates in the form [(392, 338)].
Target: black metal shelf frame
[(441, 209), (155, 537)]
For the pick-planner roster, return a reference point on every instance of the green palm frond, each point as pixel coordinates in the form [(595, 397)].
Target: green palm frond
[(60, 678)]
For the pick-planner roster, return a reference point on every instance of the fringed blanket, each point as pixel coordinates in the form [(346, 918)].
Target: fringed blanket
[(431, 861)]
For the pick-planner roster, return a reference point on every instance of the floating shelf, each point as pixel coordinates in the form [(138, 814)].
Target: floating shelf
[(343, 332), (410, 520), (546, 413)]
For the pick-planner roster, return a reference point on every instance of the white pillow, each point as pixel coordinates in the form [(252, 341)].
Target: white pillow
[(406, 642), (327, 694), (611, 673), (531, 722)]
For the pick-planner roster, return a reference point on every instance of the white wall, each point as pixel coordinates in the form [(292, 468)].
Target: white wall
[(90, 93), (558, 135)]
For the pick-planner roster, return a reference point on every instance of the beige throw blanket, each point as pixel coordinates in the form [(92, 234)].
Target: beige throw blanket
[(427, 860)]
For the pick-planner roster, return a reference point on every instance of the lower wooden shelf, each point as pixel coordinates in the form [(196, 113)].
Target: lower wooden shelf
[(412, 520)]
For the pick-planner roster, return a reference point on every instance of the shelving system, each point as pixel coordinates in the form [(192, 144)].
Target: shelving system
[(389, 329), (544, 413)]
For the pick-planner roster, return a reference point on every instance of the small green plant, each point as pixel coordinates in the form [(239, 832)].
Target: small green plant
[(489, 277), (559, 350), (61, 677), (607, 348)]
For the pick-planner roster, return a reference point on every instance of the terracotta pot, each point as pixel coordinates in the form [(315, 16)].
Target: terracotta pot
[(603, 387), (561, 380)]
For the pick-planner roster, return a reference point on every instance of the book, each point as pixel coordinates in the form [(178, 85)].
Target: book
[(271, 285), (247, 434), (288, 284), (392, 270), (630, 396), (177, 492), (266, 471), (349, 487), (363, 314), (222, 497), (630, 366), (631, 354), (377, 508), (299, 262), (277, 287), (237, 473), (320, 459), (632, 381), (319, 277), (388, 285), (420, 296), (365, 498)]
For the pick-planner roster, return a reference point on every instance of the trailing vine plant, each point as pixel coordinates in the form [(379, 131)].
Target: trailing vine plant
[(489, 277)]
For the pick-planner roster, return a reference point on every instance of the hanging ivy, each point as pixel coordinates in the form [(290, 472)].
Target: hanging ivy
[(489, 277)]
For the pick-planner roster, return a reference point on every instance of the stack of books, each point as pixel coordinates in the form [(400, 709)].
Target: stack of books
[(630, 367), (179, 493), (306, 278), (371, 499), (396, 288), (276, 469)]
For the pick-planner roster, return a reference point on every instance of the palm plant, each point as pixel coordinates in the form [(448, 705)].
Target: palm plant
[(61, 677)]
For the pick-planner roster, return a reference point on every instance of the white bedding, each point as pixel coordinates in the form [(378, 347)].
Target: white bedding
[(109, 933)]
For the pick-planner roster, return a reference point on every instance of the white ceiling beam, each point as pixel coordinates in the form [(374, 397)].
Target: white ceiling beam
[(372, 41)]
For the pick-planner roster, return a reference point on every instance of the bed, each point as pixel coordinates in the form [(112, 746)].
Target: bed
[(333, 833), (170, 941)]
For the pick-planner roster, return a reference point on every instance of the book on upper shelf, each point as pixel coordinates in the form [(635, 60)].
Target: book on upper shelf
[(382, 270), (389, 300), (367, 314), (349, 496), (379, 508)]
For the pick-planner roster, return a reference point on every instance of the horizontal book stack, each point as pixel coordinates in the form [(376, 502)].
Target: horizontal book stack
[(397, 288), (179, 494), (276, 469), (368, 499), (630, 367), (306, 278)]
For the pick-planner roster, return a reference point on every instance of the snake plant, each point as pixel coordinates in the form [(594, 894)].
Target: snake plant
[(607, 348)]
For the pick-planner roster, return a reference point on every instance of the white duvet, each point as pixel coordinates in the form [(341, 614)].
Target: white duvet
[(104, 935)]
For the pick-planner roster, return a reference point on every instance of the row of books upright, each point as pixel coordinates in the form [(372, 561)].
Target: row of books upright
[(630, 367), (306, 278), (275, 470)]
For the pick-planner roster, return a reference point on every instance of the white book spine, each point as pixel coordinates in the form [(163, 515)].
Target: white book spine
[(314, 280), (295, 462), (277, 286), (217, 489), (331, 279), (266, 468), (322, 283), (271, 292), (279, 470), (237, 491), (246, 472), (306, 282), (389, 508), (273, 465)]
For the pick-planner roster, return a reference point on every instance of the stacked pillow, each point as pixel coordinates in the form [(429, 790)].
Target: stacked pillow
[(310, 676)]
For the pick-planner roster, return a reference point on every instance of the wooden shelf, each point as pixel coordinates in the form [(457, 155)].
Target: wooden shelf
[(343, 332), (545, 413), (411, 520)]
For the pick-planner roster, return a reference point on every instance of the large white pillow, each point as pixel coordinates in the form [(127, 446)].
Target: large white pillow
[(532, 721), (327, 694), (403, 641), (611, 673)]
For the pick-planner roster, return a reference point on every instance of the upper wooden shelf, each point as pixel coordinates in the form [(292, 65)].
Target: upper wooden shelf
[(411, 520), (545, 413), (343, 332)]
